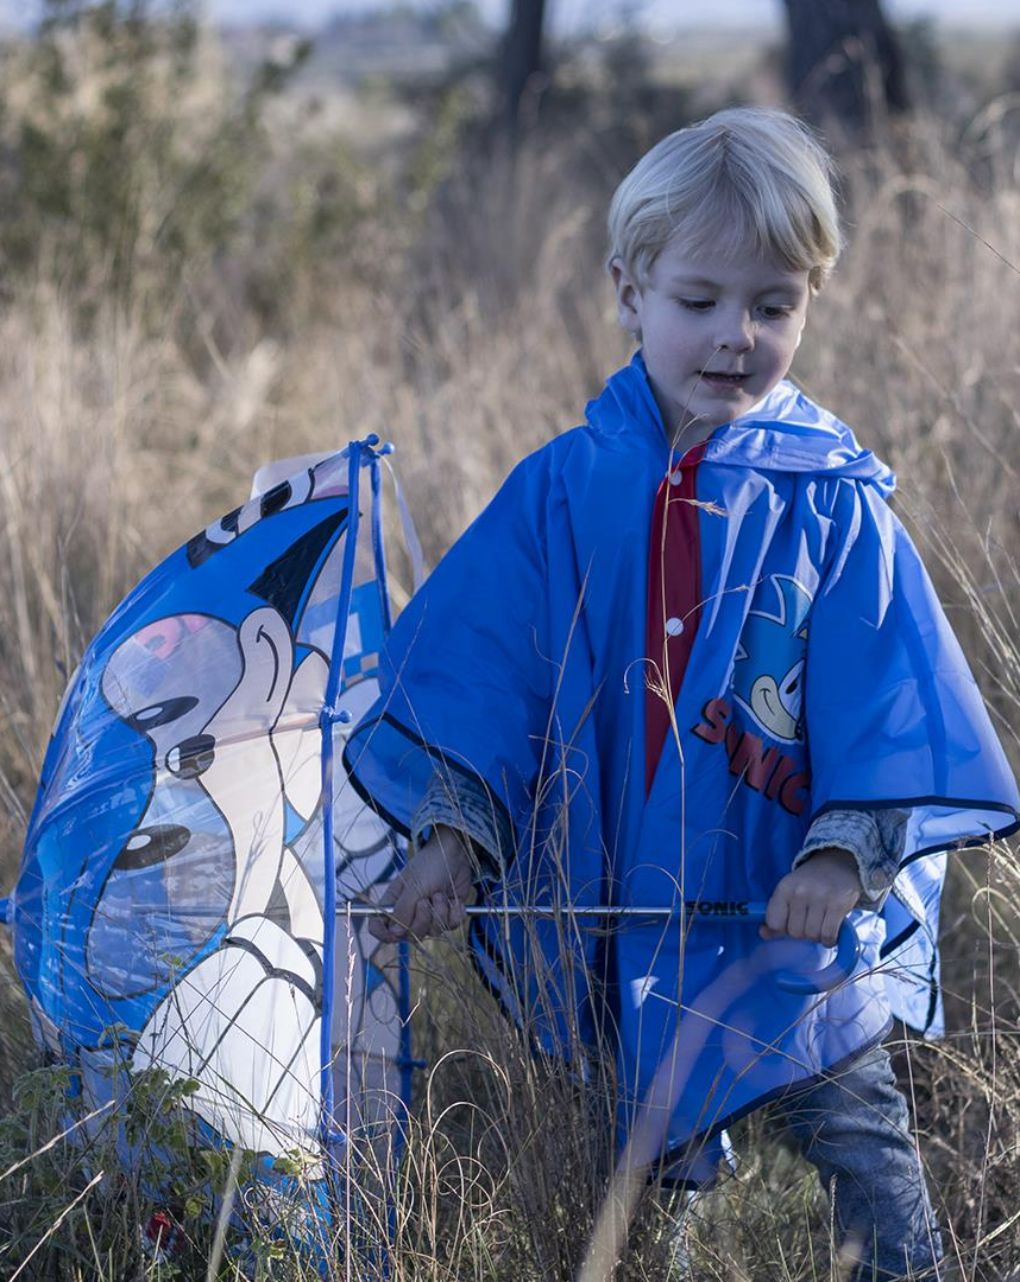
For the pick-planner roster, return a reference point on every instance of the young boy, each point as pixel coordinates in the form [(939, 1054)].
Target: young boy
[(688, 654)]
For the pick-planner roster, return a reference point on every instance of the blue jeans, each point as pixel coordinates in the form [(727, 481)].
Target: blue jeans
[(855, 1130)]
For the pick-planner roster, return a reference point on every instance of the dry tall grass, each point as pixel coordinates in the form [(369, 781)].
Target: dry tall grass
[(469, 337)]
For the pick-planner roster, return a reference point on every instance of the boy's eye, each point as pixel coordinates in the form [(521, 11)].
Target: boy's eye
[(775, 312), (696, 304)]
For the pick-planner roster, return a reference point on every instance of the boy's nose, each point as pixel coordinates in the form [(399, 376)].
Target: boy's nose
[(735, 332)]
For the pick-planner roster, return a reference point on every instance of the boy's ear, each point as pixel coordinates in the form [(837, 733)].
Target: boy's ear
[(628, 298)]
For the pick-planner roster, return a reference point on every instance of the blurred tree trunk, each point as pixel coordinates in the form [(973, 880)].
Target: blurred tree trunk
[(522, 58), (844, 63)]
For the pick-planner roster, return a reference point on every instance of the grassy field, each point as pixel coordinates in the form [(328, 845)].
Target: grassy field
[(459, 308)]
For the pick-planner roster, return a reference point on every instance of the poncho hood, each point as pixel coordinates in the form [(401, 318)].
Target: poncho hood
[(784, 432)]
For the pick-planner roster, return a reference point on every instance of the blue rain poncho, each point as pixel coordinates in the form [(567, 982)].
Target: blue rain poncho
[(823, 675)]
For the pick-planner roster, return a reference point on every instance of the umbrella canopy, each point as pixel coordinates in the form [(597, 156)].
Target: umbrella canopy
[(176, 905)]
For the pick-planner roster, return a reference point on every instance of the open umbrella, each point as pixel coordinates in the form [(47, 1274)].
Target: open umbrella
[(176, 904)]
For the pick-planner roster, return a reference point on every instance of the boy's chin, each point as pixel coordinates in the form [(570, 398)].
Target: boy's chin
[(699, 410), (712, 407), (701, 421)]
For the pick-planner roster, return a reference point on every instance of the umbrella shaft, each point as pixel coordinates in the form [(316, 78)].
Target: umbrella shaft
[(719, 910)]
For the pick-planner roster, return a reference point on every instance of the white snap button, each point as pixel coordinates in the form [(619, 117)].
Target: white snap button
[(676, 477), (674, 627)]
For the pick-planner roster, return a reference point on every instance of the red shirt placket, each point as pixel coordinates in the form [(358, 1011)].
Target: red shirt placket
[(674, 600)]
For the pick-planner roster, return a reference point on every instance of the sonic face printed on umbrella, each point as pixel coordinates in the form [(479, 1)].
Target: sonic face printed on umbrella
[(167, 682), (208, 697)]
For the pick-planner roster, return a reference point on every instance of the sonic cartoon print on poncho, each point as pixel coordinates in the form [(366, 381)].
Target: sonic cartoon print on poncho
[(771, 658), (178, 877), (865, 701), (769, 673)]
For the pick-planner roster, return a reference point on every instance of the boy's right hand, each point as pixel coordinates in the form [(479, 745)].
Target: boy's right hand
[(812, 901), (430, 895)]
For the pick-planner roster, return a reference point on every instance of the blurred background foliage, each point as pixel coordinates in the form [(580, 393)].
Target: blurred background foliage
[(140, 150), (132, 155)]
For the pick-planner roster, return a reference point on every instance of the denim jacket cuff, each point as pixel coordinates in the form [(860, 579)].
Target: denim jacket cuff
[(875, 838), (464, 803)]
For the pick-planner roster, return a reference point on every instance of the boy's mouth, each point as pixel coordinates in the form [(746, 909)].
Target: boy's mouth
[(721, 379)]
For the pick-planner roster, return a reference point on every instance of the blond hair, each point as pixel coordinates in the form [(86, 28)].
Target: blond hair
[(754, 177)]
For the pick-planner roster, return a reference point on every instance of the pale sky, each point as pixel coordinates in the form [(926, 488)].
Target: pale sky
[(569, 14)]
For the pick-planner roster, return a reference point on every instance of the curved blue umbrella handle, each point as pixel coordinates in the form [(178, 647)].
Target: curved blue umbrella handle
[(848, 952)]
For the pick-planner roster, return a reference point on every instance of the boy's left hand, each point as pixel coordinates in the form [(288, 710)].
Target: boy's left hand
[(812, 901)]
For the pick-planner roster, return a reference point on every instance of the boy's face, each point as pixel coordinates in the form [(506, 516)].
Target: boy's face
[(718, 332)]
